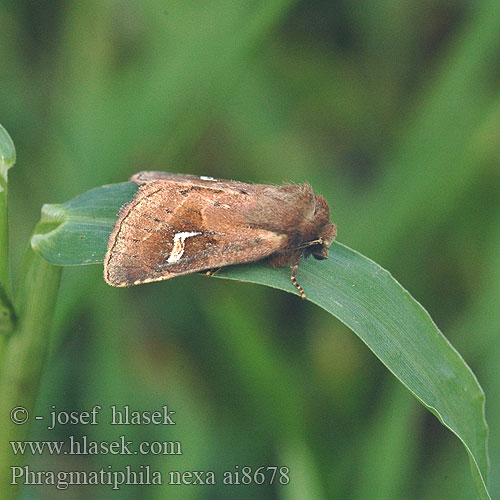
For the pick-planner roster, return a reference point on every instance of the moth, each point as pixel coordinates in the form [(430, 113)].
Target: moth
[(181, 224)]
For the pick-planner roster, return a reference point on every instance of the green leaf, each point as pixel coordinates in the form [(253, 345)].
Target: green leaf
[(77, 231), (399, 331), (348, 285), (7, 159), (7, 153)]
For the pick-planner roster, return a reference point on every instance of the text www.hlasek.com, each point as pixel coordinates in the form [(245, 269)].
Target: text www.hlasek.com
[(84, 446)]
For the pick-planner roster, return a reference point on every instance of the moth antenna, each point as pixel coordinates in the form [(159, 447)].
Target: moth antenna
[(319, 241), (293, 277)]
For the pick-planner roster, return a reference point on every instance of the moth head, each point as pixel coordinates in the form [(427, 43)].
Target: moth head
[(325, 231)]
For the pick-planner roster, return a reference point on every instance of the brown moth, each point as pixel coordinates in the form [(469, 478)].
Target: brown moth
[(181, 224)]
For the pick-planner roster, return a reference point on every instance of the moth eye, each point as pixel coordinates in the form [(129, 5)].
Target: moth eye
[(320, 252)]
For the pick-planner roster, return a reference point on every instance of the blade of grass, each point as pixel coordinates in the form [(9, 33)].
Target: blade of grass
[(7, 160), (77, 232), (351, 287), (400, 332)]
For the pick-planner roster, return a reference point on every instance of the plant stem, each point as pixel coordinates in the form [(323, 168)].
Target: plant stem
[(24, 354), (4, 237)]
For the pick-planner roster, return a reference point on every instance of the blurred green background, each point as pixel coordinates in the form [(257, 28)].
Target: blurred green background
[(389, 109)]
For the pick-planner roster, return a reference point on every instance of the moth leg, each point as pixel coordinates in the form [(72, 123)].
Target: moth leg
[(293, 277), (213, 272)]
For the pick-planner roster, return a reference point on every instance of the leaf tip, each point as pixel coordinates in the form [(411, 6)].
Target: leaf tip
[(7, 152)]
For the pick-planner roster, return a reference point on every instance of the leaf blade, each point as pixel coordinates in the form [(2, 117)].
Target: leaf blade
[(351, 287), (76, 232), (400, 332), (7, 160)]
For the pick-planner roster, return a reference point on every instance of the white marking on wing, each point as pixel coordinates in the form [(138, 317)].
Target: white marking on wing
[(206, 178), (178, 248)]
